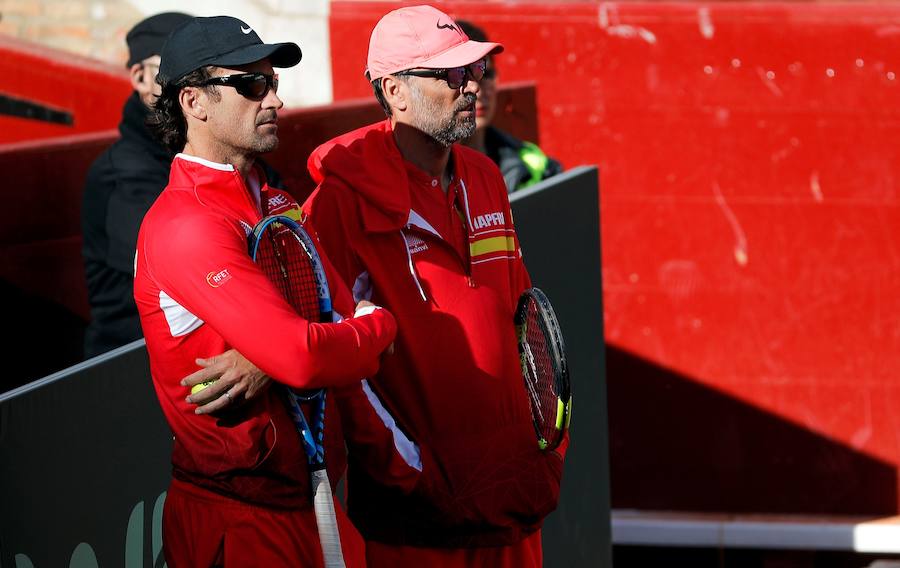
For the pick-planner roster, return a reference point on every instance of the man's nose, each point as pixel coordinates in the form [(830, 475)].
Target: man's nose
[(272, 100), (471, 86)]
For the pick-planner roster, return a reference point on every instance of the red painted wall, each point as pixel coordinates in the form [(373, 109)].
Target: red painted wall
[(91, 91), (749, 207)]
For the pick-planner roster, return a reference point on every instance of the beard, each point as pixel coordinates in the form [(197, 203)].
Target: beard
[(262, 144), (445, 128)]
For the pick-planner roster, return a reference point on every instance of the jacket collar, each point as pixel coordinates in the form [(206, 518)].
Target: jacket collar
[(218, 185)]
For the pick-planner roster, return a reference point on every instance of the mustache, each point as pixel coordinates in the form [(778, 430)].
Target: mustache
[(269, 116), (467, 100)]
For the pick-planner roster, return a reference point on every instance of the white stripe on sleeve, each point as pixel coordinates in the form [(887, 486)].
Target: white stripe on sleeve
[(181, 322), (407, 449)]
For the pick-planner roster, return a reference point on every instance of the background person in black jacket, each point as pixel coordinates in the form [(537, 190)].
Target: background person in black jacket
[(120, 187), (522, 163)]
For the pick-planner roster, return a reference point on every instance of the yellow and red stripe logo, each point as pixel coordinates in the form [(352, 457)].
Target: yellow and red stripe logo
[(491, 245)]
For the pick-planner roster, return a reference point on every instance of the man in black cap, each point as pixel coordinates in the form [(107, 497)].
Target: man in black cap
[(240, 491), (121, 185)]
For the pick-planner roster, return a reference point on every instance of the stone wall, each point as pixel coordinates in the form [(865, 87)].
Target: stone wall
[(97, 29)]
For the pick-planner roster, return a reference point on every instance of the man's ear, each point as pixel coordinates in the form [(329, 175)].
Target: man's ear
[(136, 74), (396, 93), (193, 101)]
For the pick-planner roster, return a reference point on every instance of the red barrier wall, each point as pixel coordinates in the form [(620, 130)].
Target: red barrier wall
[(90, 90), (749, 209)]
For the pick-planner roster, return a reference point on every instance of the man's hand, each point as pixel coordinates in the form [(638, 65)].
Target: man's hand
[(234, 380), (367, 304)]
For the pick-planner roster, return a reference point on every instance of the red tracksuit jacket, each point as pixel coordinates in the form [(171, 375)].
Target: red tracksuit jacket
[(198, 294), (442, 449)]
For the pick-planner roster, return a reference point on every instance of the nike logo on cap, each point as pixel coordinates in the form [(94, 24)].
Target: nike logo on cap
[(246, 30), (446, 26)]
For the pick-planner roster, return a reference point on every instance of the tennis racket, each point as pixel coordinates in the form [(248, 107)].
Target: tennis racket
[(286, 254), (543, 358)]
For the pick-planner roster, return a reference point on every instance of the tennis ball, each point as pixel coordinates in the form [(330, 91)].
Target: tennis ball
[(200, 386)]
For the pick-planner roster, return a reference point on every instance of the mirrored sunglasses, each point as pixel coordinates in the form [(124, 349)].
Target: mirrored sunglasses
[(456, 77)]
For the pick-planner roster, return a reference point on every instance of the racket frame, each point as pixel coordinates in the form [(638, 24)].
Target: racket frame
[(312, 438), (554, 340)]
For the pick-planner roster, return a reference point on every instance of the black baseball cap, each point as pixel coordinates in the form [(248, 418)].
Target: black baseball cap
[(147, 37), (220, 40)]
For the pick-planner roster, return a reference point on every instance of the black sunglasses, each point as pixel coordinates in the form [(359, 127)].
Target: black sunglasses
[(455, 76), (254, 86)]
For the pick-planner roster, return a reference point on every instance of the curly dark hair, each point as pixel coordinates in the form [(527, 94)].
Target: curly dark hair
[(166, 120)]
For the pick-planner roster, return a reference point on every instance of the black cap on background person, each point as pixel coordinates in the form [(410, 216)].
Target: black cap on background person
[(147, 37), (145, 42)]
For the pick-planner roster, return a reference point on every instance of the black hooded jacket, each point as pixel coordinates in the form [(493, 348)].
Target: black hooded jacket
[(121, 186)]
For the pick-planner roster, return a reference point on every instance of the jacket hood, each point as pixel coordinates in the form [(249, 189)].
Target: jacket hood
[(368, 162)]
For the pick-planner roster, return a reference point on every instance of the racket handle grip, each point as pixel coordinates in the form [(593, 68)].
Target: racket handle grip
[(323, 503)]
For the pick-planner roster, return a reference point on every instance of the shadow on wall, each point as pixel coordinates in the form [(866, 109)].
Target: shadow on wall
[(42, 338), (678, 445)]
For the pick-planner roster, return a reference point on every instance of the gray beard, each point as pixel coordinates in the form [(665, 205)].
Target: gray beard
[(265, 145), (445, 131), (453, 132)]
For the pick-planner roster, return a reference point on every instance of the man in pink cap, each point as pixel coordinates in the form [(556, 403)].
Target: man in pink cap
[(445, 469)]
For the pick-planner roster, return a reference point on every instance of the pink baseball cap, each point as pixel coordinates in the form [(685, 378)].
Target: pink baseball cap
[(421, 36)]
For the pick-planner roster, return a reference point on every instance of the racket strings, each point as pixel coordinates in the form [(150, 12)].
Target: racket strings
[(292, 267), (541, 375), (285, 261)]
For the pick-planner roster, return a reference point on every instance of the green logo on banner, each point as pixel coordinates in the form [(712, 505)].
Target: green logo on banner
[(84, 557)]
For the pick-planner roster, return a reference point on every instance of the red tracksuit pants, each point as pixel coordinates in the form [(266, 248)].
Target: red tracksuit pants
[(203, 529)]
